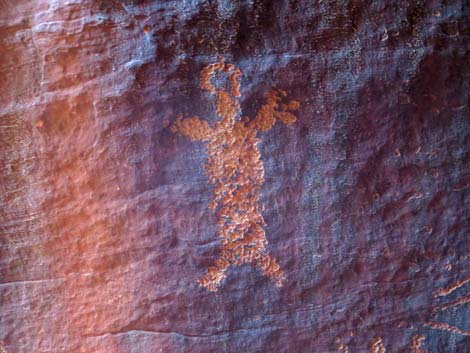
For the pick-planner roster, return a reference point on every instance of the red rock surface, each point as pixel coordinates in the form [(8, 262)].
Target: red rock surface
[(105, 225)]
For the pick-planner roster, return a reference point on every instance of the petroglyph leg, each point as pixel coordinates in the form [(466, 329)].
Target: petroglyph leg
[(271, 268), (214, 275)]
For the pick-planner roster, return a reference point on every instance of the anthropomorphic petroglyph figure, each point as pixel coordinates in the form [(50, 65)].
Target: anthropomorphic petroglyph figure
[(459, 301), (235, 169)]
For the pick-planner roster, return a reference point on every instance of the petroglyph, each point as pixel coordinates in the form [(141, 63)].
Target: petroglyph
[(417, 344), (235, 169), (342, 348), (448, 290), (443, 292), (456, 302), (377, 346), (2, 348), (447, 327)]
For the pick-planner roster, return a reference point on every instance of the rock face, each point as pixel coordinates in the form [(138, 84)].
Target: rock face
[(359, 197)]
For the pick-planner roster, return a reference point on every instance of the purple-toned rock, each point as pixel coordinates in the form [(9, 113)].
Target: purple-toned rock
[(234, 176)]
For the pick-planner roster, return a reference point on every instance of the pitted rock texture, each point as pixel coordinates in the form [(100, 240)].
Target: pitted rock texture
[(104, 220)]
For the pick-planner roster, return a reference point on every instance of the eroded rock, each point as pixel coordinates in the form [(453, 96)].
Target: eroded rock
[(105, 221)]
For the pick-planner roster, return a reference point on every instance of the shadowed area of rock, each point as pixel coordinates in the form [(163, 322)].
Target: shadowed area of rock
[(107, 213)]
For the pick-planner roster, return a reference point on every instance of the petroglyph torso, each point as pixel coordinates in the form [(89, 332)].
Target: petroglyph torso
[(235, 169)]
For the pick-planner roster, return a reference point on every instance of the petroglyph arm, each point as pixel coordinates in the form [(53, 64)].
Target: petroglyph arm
[(193, 128), (274, 110)]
